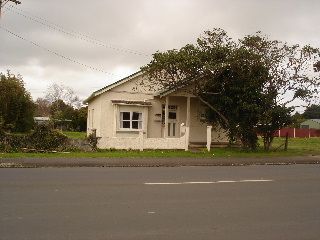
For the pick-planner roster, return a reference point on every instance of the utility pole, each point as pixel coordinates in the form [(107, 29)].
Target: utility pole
[(4, 2)]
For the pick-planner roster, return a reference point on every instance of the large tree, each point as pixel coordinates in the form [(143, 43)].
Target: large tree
[(312, 112), (64, 104), (42, 107), (16, 105), (294, 80), (57, 92), (243, 83)]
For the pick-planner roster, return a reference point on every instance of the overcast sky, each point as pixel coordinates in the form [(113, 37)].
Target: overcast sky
[(124, 33)]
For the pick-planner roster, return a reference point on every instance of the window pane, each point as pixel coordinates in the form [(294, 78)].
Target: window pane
[(172, 115), (125, 124), (134, 124), (140, 125), (173, 129), (136, 116), (125, 115)]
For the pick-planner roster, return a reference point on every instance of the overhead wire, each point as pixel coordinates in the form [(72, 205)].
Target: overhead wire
[(55, 53), (72, 33)]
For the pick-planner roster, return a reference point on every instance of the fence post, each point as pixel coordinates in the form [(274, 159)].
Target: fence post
[(286, 142), (294, 132), (186, 148), (141, 140), (309, 132), (279, 132), (209, 128)]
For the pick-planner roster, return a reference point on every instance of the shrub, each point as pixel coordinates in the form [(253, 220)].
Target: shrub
[(93, 141), (46, 138)]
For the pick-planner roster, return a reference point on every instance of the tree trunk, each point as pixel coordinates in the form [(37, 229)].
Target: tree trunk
[(215, 110)]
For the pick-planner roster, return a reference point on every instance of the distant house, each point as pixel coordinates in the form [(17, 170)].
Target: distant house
[(41, 120), (126, 115), (61, 124), (311, 123)]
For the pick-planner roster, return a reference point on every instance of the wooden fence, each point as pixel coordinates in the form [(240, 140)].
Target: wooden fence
[(298, 132)]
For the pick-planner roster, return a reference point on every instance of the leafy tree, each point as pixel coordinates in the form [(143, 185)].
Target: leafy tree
[(65, 105), (42, 107), (57, 92), (226, 77), (60, 110), (297, 119), (293, 80), (16, 105), (312, 112), (79, 119), (243, 83)]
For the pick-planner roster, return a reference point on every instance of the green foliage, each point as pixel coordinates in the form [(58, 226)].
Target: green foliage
[(42, 138), (16, 105), (297, 119), (242, 83), (79, 119), (312, 112), (46, 138), (60, 110), (272, 119), (93, 140)]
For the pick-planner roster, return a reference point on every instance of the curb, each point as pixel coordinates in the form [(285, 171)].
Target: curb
[(152, 162)]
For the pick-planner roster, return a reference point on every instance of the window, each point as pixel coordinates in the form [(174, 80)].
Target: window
[(130, 120), (172, 110), (92, 118)]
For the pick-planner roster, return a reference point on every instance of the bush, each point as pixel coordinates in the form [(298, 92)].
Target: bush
[(93, 141), (46, 138), (43, 138)]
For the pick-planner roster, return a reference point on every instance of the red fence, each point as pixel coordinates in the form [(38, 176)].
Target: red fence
[(298, 132)]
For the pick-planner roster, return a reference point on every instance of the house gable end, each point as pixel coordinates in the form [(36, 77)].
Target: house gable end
[(112, 86)]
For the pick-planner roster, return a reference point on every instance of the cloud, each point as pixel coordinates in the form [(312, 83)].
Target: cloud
[(142, 25)]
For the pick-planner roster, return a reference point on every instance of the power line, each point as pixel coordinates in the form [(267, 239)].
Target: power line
[(72, 33), (55, 53), (4, 2)]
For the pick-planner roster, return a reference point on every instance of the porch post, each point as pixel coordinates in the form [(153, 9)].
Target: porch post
[(140, 140), (209, 129), (115, 118), (187, 134), (188, 112), (188, 124), (166, 113)]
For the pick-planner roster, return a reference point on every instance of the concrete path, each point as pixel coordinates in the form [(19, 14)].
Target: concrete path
[(153, 162)]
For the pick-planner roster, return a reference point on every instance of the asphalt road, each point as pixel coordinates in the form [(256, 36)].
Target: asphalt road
[(249, 202)]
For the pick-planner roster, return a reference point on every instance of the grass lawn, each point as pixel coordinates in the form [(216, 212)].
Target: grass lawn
[(75, 135), (297, 147)]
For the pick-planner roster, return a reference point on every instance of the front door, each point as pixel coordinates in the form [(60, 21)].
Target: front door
[(172, 120)]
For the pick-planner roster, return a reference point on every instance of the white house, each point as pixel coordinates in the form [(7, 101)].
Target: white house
[(129, 115)]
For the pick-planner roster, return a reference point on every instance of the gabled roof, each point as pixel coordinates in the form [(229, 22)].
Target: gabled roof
[(181, 84), (111, 86), (316, 120), (136, 103)]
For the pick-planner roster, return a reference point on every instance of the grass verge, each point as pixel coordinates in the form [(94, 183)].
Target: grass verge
[(297, 147)]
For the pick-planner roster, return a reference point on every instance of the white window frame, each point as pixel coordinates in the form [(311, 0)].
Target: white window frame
[(130, 121)]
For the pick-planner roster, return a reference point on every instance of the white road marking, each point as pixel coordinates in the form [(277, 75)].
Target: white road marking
[(260, 180), (223, 181), (226, 181), (197, 182), (151, 212)]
